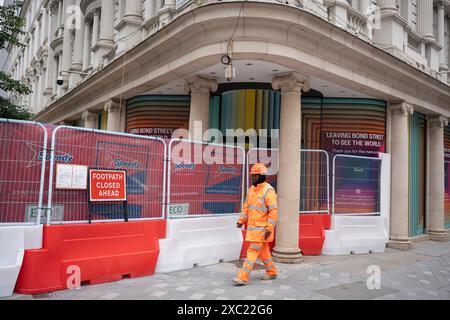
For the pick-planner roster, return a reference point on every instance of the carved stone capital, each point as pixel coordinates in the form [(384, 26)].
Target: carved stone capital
[(89, 116), (404, 109), (291, 82), (438, 121), (112, 106), (200, 84)]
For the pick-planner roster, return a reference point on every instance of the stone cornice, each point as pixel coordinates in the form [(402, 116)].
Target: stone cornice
[(162, 58)]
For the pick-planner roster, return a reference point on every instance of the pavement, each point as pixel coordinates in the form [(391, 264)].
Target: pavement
[(422, 273)]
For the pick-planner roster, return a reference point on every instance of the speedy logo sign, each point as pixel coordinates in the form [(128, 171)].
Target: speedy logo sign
[(107, 185), (226, 170), (118, 163), (39, 154), (184, 167)]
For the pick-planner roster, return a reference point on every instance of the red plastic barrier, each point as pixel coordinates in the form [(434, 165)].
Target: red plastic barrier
[(104, 252), (312, 234)]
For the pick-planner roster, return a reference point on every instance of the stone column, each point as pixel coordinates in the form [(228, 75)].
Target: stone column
[(59, 88), (90, 119), (133, 10), (129, 28), (60, 13), (338, 13), (44, 24), (443, 67), (50, 78), (436, 228), (87, 45), (107, 24), (363, 5), (149, 8), (95, 28), (200, 89), (387, 4), (425, 18), (399, 233), (113, 109), (35, 39), (287, 232), (77, 63), (67, 48)]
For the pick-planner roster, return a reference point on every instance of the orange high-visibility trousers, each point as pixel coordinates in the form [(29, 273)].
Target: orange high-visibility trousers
[(257, 250)]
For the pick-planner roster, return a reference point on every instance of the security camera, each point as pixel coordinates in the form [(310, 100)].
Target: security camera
[(60, 81)]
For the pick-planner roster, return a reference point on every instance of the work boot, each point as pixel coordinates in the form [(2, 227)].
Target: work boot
[(239, 282), (268, 277)]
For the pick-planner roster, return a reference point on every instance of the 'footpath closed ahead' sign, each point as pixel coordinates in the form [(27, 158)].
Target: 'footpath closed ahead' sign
[(107, 185)]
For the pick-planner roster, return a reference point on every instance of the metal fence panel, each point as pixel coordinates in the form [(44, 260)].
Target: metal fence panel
[(314, 176), (315, 182), (356, 185), (143, 158), (204, 179), (23, 147)]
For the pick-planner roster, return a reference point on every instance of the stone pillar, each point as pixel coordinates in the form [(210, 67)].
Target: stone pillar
[(112, 107), (339, 13), (129, 28), (287, 232), (51, 67), (87, 45), (133, 10), (399, 233), (391, 33), (436, 171), (95, 28), (90, 119), (149, 8), (363, 5), (200, 89), (387, 4), (77, 63), (425, 18), (44, 24), (60, 13), (59, 88), (443, 67), (107, 24), (67, 48)]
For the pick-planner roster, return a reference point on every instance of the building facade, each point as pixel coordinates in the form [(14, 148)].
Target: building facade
[(376, 67)]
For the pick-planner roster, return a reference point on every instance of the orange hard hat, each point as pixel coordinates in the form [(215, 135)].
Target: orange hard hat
[(259, 168)]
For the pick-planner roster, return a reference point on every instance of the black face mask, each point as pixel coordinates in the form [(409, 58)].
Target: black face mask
[(260, 180)]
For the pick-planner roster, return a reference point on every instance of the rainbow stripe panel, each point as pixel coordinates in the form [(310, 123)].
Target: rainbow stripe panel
[(447, 176), (417, 162)]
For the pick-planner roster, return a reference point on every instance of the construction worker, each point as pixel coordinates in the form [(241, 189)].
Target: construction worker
[(260, 212)]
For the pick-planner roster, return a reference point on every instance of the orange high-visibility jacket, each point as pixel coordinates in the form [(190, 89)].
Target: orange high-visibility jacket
[(260, 212)]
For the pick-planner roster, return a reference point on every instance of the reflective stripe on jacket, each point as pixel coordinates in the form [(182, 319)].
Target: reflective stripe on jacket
[(260, 212)]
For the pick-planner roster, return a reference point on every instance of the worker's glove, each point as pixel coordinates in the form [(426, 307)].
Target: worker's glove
[(239, 225), (267, 234)]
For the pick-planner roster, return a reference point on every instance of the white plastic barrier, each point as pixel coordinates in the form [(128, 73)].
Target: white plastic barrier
[(356, 235), (362, 234), (14, 240), (199, 242)]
